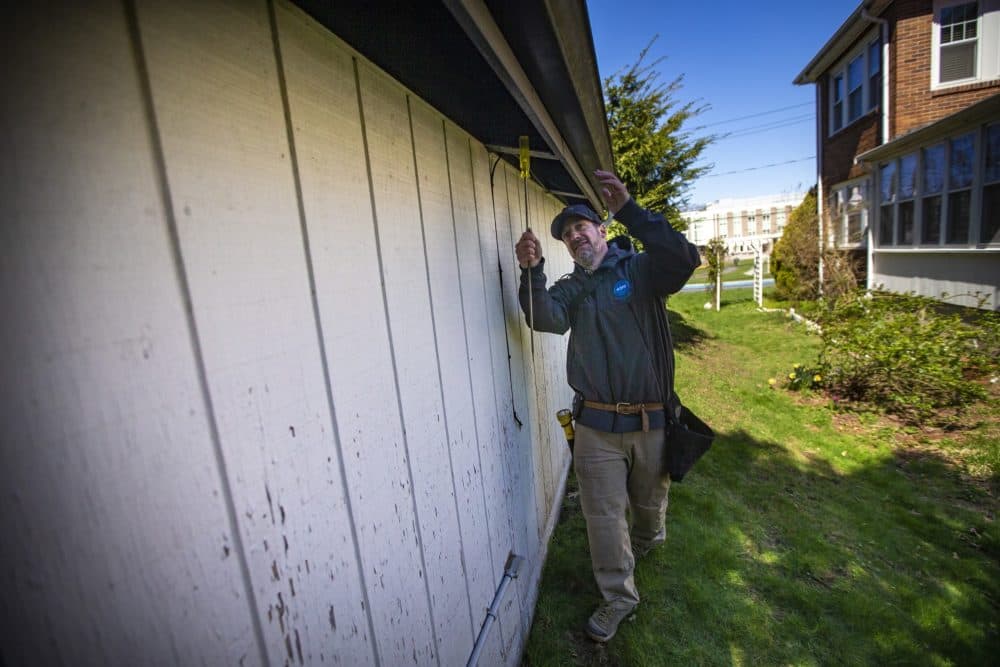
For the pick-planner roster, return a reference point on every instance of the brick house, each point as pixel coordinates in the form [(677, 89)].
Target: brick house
[(908, 145)]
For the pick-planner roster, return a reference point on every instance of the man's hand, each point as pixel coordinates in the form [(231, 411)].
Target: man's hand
[(613, 190), (528, 251)]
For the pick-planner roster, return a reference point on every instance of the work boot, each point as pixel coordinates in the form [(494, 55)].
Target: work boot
[(603, 623), (640, 548)]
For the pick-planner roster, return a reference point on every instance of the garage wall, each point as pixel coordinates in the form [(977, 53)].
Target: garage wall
[(267, 394)]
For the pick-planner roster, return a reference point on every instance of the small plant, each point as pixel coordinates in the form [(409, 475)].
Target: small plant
[(800, 377)]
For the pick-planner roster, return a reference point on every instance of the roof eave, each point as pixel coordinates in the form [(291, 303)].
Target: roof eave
[(980, 112), (579, 137), (845, 37)]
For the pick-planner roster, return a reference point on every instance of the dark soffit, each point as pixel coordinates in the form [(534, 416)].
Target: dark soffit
[(422, 45)]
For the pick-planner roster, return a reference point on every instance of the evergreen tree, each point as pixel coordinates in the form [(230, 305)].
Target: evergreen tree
[(795, 260), (654, 155)]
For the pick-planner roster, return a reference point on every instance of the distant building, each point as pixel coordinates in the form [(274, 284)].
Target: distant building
[(742, 223)]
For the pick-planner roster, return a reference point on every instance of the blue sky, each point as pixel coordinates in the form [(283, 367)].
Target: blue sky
[(739, 58)]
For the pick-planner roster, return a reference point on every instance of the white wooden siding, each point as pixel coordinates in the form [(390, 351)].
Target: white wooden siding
[(960, 275), (118, 547), (264, 354)]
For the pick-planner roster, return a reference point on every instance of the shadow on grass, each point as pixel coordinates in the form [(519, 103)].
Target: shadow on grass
[(685, 335), (775, 556)]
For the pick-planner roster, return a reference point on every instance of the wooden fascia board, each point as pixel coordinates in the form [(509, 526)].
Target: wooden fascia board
[(478, 23), (570, 22)]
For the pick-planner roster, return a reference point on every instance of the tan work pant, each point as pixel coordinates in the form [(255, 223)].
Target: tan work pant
[(620, 484)]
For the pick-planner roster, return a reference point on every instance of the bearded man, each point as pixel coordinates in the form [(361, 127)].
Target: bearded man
[(612, 304)]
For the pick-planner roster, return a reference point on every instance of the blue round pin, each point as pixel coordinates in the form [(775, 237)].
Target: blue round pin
[(622, 289)]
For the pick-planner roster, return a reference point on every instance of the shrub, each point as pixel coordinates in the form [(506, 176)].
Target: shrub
[(801, 377), (795, 260), (908, 355)]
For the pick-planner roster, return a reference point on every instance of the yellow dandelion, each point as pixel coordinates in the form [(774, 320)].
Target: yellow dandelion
[(797, 366), (771, 381), (791, 376), (817, 378)]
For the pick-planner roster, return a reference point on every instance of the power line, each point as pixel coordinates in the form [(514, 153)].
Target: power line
[(774, 125), (754, 115), (759, 167)]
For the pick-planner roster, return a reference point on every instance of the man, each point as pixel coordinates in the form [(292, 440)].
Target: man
[(618, 361)]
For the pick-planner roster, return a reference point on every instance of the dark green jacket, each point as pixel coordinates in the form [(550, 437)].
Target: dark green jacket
[(615, 348)]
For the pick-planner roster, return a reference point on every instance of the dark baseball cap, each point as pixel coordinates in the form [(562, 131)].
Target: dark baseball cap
[(574, 212)]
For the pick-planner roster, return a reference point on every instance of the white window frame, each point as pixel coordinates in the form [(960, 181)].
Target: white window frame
[(842, 208), (973, 240), (987, 44), (869, 98), (987, 182)]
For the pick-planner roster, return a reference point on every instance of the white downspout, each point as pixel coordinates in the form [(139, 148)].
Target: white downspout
[(883, 137), (819, 181)]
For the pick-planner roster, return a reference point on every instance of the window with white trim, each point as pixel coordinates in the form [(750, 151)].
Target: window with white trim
[(959, 38), (897, 219), (945, 194), (905, 215), (849, 213), (855, 85), (874, 74), (989, 232), (933, 184), (965, 42), (887, 201), (961, 151)]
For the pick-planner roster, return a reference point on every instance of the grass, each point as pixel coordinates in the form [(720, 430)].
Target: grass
[(806, 536), (729, 272)]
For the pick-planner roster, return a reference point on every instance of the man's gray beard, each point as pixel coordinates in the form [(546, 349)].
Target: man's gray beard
[(585, 257)]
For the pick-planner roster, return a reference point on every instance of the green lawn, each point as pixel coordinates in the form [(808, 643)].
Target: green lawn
[(806, 536), (729, 272)]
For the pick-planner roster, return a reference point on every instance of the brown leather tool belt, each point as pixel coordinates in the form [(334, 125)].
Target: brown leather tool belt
[(627, 409)]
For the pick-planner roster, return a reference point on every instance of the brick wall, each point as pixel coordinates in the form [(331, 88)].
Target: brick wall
[(840, 149), (914, 104)]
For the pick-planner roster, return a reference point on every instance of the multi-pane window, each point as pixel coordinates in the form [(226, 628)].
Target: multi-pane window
[(907, 190), (887, 200), (849, 217), (959, 42), (933, 184), (990, 230), (874, 74), (854, 88), (961, 167), (946, 194), (837, 93)]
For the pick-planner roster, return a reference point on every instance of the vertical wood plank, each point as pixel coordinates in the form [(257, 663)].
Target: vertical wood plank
[(495, 253), (480, 365), (118, 546), (408, 293), (447, 293), (329, 141), (218, 102), (524, 217)]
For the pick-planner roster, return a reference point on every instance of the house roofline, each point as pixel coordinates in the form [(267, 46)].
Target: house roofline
[(846, 35), (982, 111)]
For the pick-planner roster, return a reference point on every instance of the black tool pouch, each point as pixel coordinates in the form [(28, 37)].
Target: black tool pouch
[(688, 438)]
